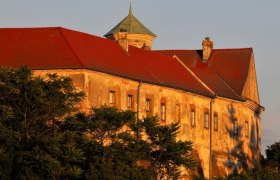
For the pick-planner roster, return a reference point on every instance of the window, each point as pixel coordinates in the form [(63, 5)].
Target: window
[(129, 101), (206, 120), (112, 97), (246, 129), (235, 127), (163, 112), (148, 105), (193, 117), (177, 113), (215, 122)]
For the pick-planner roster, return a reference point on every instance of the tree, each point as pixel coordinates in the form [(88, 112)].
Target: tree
[(29, 106), (43, 136), (166, 154), (273, 155), (257, 173), (126, 149), (110, 147)]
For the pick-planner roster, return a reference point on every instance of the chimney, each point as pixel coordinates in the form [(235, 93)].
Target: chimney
[(207, 46), (122, 40)]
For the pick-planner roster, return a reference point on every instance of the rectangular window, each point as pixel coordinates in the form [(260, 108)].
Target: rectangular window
[(129, 101), (148, 105), (163, 112), (206, 120), (246, 129), (235, 127), (112, 97), (193, 117), (177, 113), (215, 122)]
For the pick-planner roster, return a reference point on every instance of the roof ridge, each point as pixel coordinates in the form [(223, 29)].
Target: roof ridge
[(70, 46), (223, 81)]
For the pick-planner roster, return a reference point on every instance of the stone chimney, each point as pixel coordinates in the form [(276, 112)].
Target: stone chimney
[(122, 40), (207, 47)]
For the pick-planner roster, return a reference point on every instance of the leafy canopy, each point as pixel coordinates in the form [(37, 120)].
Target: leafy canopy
[(42, 136), (273, 154)]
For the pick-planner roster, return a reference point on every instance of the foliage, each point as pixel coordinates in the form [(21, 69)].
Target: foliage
[(43, 137), (255, 174), (29, 106), (264, 171), (166, 154), (273, 155)]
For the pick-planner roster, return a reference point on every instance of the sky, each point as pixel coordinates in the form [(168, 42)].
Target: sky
[(178, 24)]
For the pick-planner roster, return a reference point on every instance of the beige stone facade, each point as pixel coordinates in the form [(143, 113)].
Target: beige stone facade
[(236, 128)]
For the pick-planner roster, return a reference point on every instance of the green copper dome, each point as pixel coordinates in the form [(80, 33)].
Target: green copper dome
[(130, 24)]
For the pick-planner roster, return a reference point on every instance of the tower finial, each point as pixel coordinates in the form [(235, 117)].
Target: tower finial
[(130, 8)]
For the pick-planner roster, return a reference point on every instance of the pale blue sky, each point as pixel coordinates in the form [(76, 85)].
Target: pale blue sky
[(179, 24)]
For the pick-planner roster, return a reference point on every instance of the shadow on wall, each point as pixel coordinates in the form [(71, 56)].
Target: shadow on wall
[(198, 172), (237, 158), (255, 140)]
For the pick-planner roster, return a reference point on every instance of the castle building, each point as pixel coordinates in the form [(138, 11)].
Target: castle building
[(212, 93)]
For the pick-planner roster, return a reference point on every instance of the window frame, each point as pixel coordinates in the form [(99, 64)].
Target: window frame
[(130, 101), (148, 105), (112, 97), (177, 116), (216, 122), (163, 112), (206, 120), (193, 118)]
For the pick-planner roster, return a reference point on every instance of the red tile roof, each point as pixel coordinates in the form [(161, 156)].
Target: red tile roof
[(56, 48), (225, 72), (232, 65)]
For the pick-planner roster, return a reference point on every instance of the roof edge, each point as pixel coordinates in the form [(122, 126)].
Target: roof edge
[(195, 76), (70, 46)]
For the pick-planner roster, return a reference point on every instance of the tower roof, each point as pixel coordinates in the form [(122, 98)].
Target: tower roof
[(131, 25)]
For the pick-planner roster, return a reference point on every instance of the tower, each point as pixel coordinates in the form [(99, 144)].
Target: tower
[(130, 31)]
